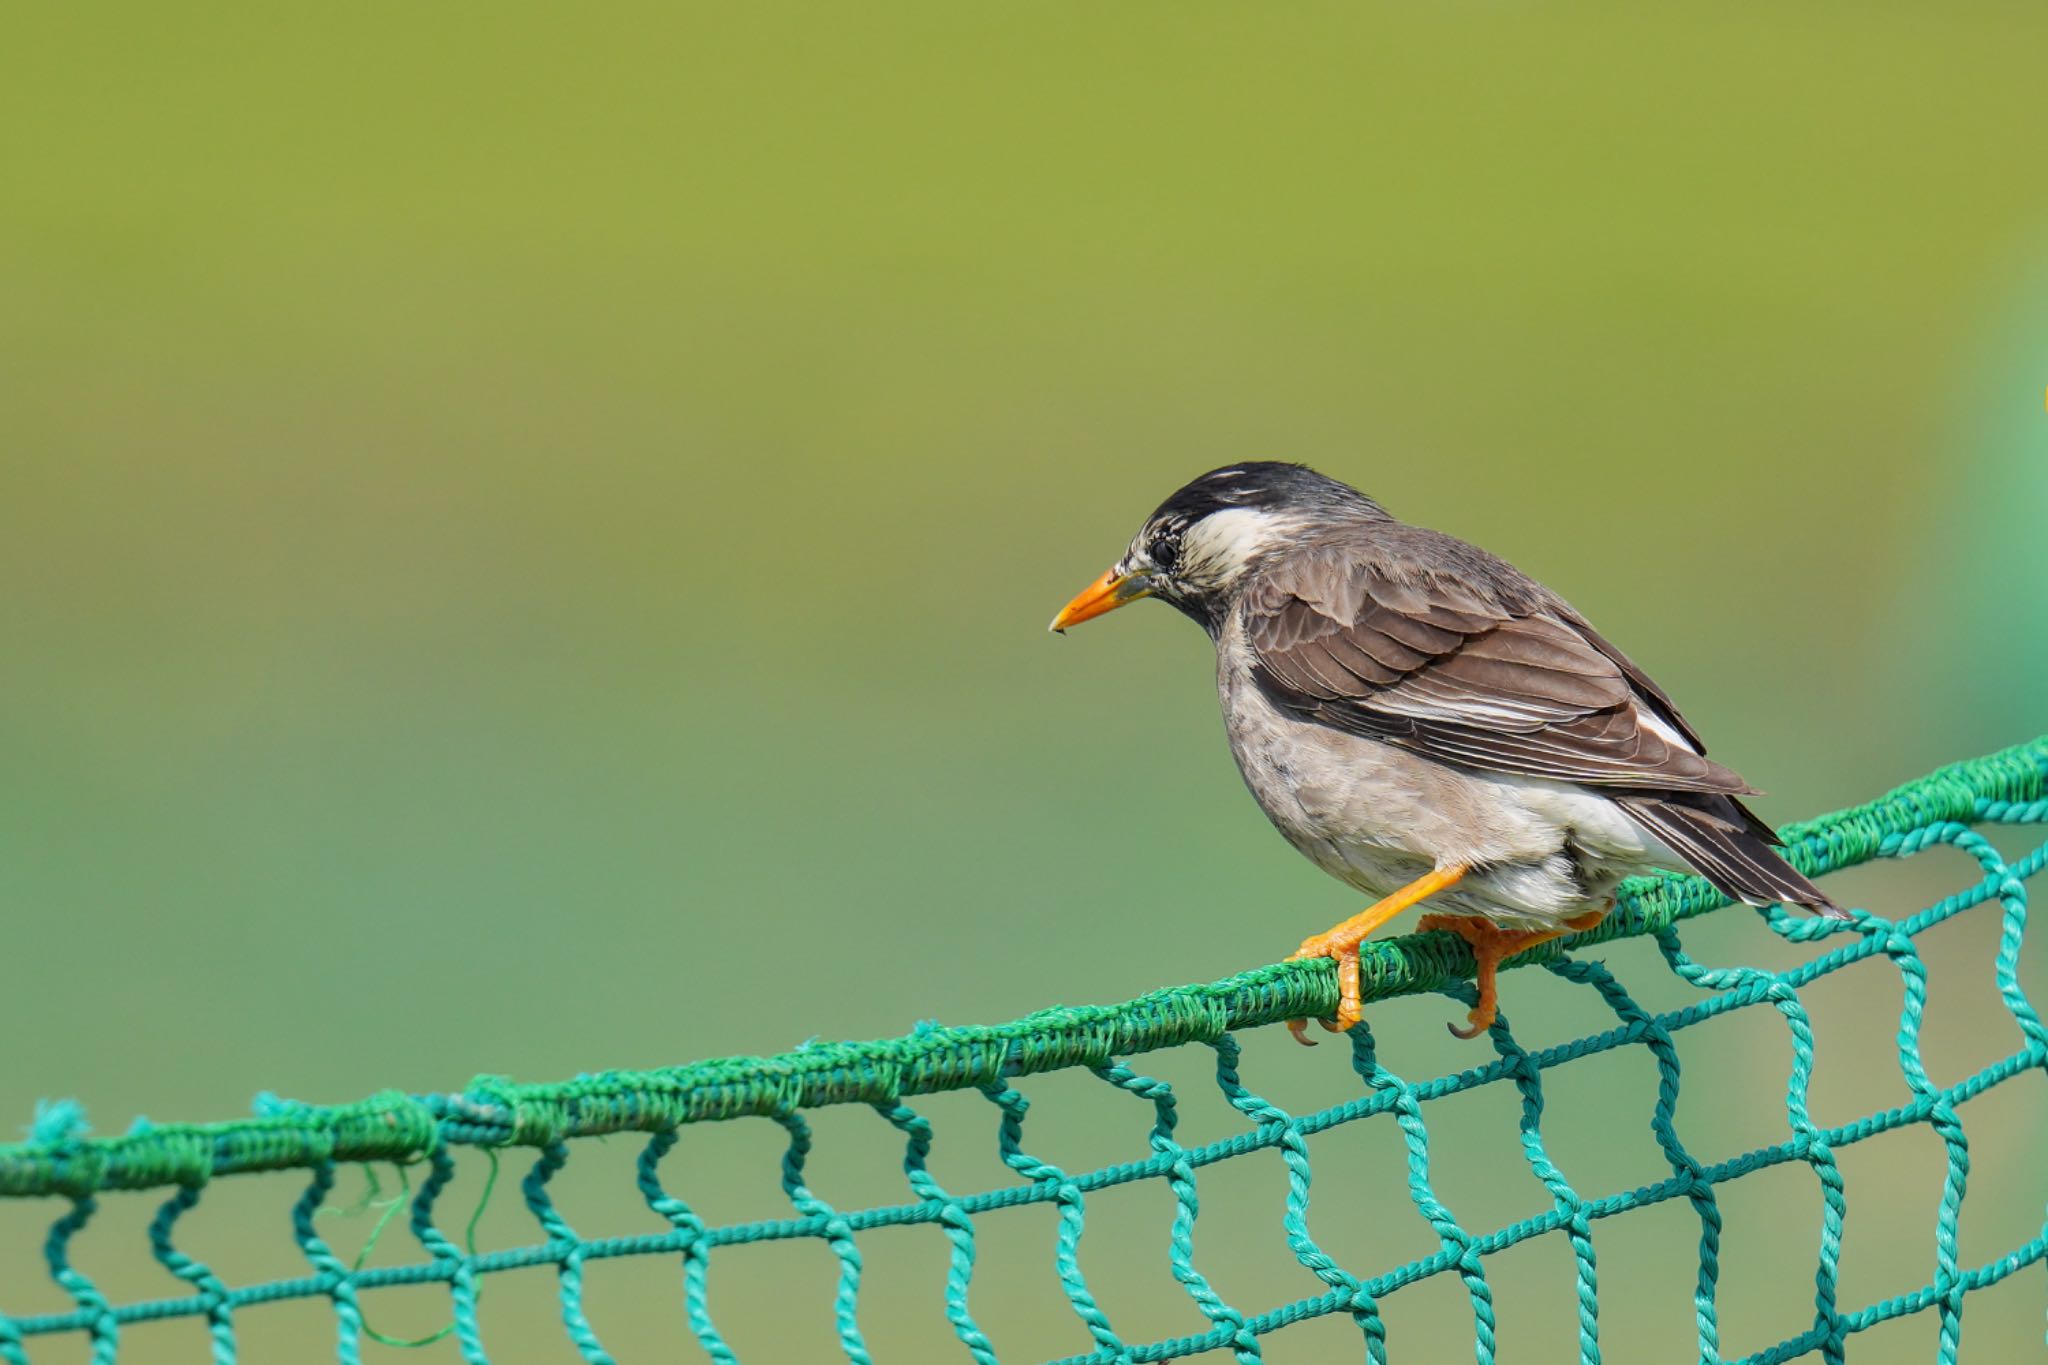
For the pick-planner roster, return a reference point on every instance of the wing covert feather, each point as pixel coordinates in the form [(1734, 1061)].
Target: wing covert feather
[(1486, 669)]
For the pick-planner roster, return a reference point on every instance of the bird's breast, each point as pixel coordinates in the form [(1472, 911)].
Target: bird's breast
[(1320, 785), (1377, 816)]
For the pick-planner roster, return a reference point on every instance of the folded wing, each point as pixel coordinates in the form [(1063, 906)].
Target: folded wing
[(1483, 668), (1470, 662)]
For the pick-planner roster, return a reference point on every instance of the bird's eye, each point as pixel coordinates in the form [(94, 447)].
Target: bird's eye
[(1164, 553)]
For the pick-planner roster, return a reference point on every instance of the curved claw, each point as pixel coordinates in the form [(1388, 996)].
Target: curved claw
[(1471, 1030), (1350, 1009), (1340, 945)]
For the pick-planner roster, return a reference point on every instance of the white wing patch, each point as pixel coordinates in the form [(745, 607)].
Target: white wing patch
[(1656, 725)]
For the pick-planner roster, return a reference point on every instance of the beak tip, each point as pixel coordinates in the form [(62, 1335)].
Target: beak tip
[(1105, 594)]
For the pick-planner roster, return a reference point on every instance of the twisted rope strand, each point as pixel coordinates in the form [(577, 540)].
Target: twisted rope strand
[(220, 1323), (696, 1254), (1180, 1178), (953, 1217)]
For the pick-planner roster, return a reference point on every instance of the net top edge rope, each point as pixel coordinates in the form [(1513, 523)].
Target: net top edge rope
[(494, 1112)]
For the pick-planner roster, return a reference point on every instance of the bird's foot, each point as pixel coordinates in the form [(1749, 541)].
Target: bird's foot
[(1340, 945), (1491, 946)]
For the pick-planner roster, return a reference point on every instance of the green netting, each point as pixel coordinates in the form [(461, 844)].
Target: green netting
[(2007, 788)]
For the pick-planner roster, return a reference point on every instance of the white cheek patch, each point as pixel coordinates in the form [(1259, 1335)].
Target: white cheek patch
[(1223, 544)]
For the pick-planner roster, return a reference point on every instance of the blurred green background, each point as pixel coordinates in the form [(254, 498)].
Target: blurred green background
[(527, 534)]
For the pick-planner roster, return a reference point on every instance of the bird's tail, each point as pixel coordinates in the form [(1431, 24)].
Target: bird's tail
[(1730, 847)]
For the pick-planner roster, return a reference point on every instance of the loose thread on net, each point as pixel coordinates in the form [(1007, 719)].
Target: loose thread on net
[(463, 1287), (442, 1170), (341, 1290)]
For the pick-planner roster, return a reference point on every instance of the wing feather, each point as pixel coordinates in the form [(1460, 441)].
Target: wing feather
[(1476, 665)]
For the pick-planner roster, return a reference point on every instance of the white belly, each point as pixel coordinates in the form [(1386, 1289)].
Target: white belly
[(1378, 817)]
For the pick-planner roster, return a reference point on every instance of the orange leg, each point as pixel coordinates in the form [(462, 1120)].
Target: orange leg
[(1341, 946), (1492, 946)]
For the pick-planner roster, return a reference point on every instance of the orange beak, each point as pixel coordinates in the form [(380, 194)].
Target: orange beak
[(1106, 593)]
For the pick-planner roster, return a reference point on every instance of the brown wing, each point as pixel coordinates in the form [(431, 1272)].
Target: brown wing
[(1465, 660)]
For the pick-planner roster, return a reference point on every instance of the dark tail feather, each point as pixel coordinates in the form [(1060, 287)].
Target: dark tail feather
[(1730, 847)]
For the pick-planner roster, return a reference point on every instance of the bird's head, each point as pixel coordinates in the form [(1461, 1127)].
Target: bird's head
[(1198, 550)]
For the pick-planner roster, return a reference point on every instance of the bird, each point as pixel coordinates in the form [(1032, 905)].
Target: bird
[(1427, 723)]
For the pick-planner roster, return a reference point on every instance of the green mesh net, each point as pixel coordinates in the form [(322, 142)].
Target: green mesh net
[(1948, 807)]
